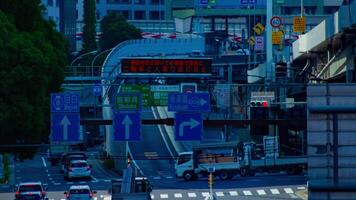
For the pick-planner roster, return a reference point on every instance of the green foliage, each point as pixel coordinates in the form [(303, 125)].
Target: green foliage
[(115, 29), (89, 33), (32, 60)]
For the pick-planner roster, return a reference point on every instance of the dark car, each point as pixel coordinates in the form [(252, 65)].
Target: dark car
[(30, 191)]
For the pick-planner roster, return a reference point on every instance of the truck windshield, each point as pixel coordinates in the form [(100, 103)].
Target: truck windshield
[(184, 158)]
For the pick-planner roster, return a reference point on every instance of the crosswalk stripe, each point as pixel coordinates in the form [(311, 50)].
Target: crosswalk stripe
[(157, 177), (178, 195), (261, 192), (301, 188), (205, 194), (192, 194), (275, 191), (219, 194), (95, 198), (288, 190), (152, 196), (247, 192), (233, 193), (164, 196)]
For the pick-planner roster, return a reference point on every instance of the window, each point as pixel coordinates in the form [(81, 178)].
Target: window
[(139, 1), (125, 13), (330, 9), (184, 158), (156, 2), (291, 10), (140, 14), (310, 10), (156, 15), (119, 1), (50, 2)]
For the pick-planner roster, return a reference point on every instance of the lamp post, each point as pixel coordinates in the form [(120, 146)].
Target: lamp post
[(79, 57), (94, 59)]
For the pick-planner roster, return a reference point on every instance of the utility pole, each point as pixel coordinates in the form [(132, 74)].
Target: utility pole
[(269, 67)]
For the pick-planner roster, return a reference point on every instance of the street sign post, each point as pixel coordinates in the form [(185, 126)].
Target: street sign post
[(65, 127), (191, 102), (188, 126), (64, 102), (127, 126), (276, 22), (97, 90)]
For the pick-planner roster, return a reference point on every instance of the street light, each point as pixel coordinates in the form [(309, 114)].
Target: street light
[(94, 59), (77, 58)]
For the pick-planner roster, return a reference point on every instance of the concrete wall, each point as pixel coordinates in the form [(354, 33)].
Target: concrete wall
[(320, 127)]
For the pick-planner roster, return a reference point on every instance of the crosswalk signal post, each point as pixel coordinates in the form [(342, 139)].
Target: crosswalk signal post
[(210, 181)]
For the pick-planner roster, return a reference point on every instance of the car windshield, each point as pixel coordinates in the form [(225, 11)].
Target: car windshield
[(30, 188), (81, 164), (79, 191)]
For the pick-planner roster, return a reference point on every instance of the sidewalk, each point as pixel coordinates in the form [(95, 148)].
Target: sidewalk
[(302, 194)]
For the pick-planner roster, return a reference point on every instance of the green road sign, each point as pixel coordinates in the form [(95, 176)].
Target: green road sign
[(128, 101)]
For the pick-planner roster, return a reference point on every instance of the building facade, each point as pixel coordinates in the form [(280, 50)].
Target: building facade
[(52, 11)]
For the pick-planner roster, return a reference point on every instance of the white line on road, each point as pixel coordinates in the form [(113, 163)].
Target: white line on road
[(157, 177), (301, 188), (219, 194), (70, 183), (164, 196), (169, 177), (192, 194), (261, 192), (56, 183), (247, 192), (152, 196), (293, 196), (44, 162), (275, 191), (233, 193), (107, 181), (178, 195), (205, 194), (288, 190), (93, 179)]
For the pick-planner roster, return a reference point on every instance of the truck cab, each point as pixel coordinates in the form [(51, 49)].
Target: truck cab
[(184, 165)]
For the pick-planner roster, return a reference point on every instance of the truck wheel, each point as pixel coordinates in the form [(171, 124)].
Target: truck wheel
[(189, 176), (224, 175)]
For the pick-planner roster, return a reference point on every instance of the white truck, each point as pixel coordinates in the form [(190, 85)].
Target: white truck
[(232, 158)]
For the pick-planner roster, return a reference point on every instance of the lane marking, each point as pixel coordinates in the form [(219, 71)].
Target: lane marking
[(152, 196), (301, 188), (219, 194), (164, 196), (233, 193), (94, 179), (192, 194), (275, 191), (247, 193), (156, 177), (205, 194), (161, 132), (107, 181), (57, 183), (82, 182), (102, 196), (70, 182), (95, 198), (293, 196), (261, 192), (178, 195), (169, 177), (44, 162), (288, 190)]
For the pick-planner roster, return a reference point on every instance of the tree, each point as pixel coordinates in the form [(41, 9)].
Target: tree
[(89, 32), (32, 60), (115, 29)]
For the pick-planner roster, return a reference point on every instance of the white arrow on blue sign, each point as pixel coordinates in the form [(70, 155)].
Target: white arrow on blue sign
[(127, 126), (97, 90), (65, 127), (191, 102), (188, 126)]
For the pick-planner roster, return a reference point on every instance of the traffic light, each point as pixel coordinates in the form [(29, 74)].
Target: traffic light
[(210, 179), (259, 103)]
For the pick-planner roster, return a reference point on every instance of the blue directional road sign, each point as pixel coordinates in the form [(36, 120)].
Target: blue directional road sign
[(191, 102), (65, 102), (127, 126), (188, 126), (97, 90), (65, 127)]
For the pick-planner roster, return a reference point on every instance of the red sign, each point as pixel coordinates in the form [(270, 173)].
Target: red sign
[(166, 66), (276, 22)]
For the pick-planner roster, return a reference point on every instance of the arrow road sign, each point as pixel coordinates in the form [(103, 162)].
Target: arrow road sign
[(65, 102), (188, 126), (127, 126), (65, 127), (192, 102)]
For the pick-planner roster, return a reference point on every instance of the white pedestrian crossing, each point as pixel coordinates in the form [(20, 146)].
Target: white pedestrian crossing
[(301, 188), (152, 196), (233, 193), (164, 196), (178, 195), (288, 190), (275, 191), (192, 194), (219, 194), (247, 192), (205, 194), (261, 192)]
